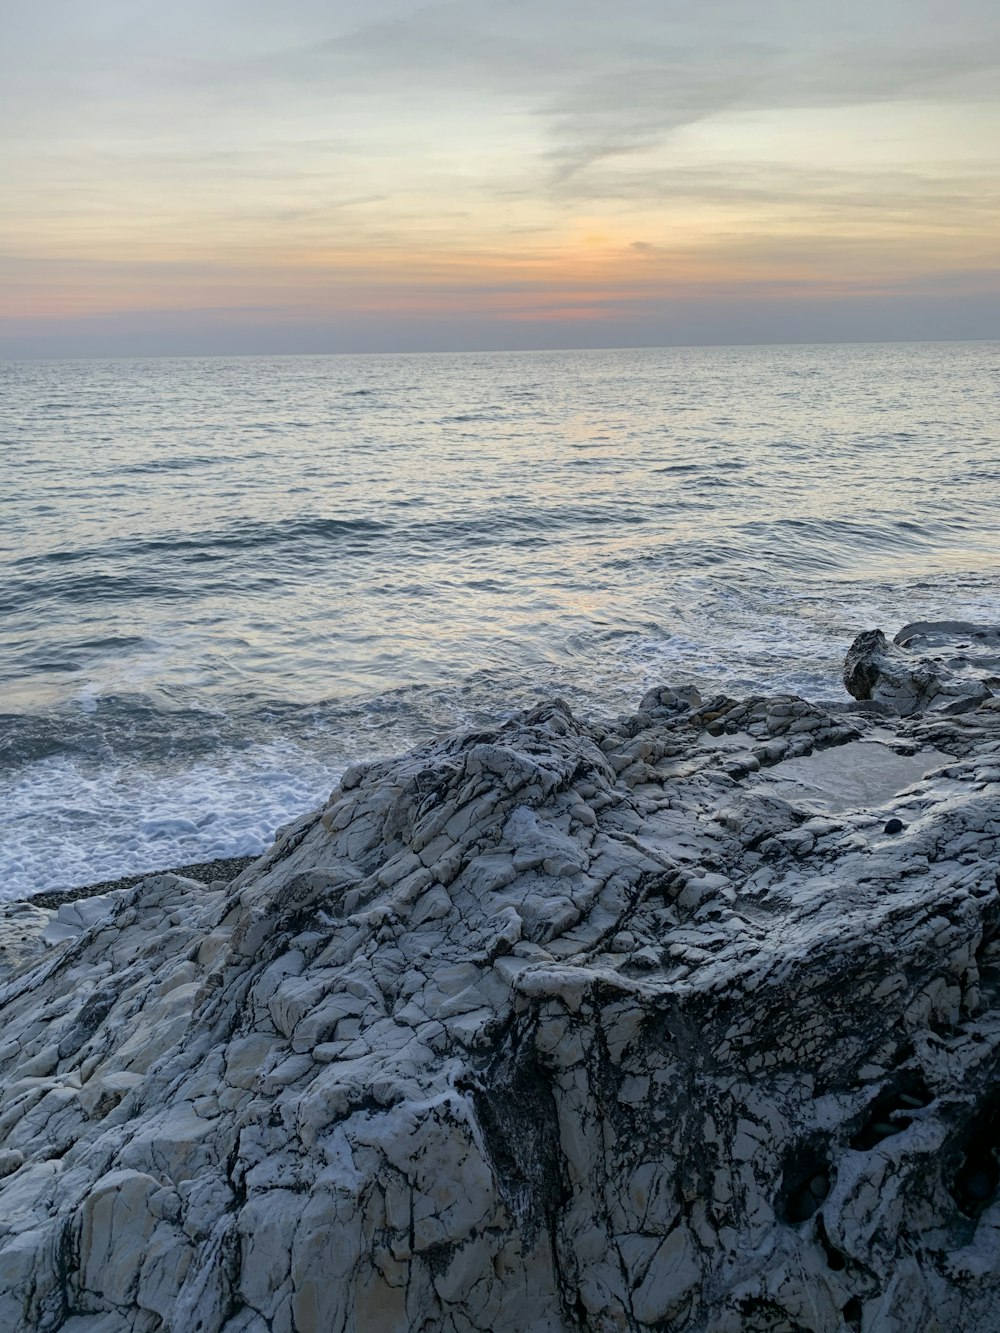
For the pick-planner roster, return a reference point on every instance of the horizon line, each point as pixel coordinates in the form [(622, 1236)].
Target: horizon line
[(499, 351)]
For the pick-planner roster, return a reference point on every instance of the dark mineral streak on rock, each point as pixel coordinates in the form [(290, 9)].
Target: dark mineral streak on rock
[(516, 1112), (637, 1026)]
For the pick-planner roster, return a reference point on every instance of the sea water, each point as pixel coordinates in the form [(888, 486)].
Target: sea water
[(222, 580)]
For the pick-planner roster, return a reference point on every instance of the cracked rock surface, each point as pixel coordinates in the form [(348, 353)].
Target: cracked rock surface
[(659, 1024)]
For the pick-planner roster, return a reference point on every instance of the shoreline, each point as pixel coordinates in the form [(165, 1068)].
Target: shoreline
[(879, 680), (224, 868)]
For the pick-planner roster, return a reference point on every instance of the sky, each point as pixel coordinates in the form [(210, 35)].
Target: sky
[(249, 176)]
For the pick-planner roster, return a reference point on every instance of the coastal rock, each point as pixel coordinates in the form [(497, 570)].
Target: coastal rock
[(21, 928), (965, 649), (637, 1026), (949, 681)]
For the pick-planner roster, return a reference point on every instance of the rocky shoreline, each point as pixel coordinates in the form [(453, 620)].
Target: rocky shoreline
[(685, 1021)]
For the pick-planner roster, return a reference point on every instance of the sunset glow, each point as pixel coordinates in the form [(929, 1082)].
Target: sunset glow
[(227, 178)]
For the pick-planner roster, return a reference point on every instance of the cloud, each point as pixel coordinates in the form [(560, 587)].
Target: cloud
[(605, 81), (621, 111)]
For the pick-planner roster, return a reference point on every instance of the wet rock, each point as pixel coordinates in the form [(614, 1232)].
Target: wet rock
[(878, 670), (964, 643), (546, 1027)]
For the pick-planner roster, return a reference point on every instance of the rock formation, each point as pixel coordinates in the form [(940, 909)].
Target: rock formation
[(948, 676), (687, 1021)]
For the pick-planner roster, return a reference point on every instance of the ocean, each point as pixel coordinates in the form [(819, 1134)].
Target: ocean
[(223, 580)]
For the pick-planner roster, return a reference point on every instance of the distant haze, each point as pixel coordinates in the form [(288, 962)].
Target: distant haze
[(228, 176)]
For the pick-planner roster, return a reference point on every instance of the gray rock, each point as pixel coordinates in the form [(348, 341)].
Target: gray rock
[(21, 928), (537, 1029), (967, 651), (951, 635), (884, 672)]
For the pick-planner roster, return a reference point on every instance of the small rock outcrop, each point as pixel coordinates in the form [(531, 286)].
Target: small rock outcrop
[(942, 677), (648, 1025)]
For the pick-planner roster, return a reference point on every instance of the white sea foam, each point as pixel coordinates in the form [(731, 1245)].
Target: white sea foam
[(68, 825)]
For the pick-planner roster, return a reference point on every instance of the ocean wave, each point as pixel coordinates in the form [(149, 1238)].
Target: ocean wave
[(243, 536), (94, 586), (173, 464), (122, 726), (128, 819), (308, 536)]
